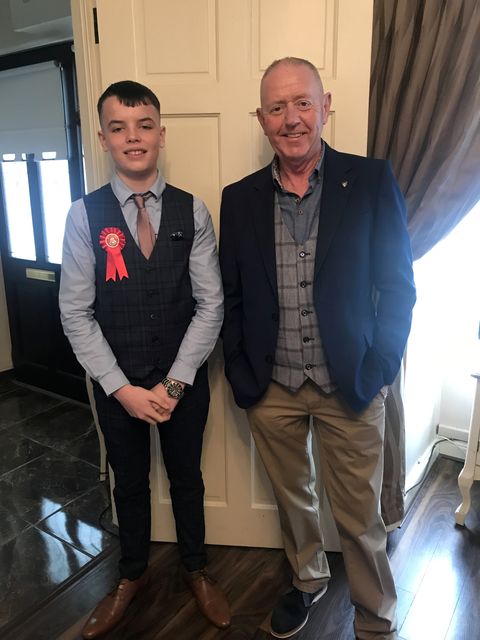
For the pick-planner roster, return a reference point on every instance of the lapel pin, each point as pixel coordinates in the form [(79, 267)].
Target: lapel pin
[(344, 183)]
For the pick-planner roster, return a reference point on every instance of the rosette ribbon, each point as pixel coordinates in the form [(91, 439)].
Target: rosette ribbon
[(112, 240)]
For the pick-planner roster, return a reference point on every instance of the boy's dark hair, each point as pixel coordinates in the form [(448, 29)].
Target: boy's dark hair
[(129, 93)]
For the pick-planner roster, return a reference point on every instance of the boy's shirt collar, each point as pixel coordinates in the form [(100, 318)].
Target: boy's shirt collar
[(124, 193)]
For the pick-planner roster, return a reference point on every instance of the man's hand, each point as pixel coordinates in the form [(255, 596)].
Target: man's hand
[(143, 404), (163, 397)]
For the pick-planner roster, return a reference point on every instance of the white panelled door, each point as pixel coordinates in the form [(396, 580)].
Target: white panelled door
[(204, 59)]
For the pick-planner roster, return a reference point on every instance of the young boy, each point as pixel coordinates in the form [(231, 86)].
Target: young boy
[(141, 304)]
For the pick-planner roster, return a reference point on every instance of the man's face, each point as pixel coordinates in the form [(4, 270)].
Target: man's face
[(293, 112), (134, 137)]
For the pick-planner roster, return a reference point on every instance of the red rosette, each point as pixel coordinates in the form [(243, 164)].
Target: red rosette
[(112, 239)]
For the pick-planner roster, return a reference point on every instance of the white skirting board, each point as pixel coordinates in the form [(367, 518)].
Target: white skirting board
[(455, 449)]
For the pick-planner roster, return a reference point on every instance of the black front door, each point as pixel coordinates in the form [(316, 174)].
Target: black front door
[(36, 191)]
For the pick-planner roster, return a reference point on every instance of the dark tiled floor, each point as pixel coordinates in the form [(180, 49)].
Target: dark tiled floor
[(50, 496)]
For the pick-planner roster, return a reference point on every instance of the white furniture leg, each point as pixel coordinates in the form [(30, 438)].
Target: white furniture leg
[(471, 469)]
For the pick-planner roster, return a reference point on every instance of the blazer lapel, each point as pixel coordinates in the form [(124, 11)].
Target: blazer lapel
[(337, 182), (264, 223)]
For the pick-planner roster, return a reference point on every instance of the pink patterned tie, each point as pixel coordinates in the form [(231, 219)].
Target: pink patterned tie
[(146, 234)]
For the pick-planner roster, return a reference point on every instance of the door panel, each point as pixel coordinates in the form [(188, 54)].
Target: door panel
[(204, 59)]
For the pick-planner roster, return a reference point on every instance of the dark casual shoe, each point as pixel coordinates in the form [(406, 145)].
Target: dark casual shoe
[(291, 611), (110, 610), (210, 598)]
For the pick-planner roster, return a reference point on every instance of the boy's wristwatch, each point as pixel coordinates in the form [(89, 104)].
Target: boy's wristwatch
[(174, 389)]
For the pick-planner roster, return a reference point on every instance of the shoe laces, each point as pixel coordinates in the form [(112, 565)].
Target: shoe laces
[(203, 575), (119, 586)]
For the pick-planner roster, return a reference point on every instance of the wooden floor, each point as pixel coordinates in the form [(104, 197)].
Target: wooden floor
[(436, 566)]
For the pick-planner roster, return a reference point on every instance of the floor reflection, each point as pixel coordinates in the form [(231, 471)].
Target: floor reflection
[(50, 496)]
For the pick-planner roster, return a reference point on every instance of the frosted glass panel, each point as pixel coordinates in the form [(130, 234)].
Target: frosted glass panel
[(31, 104), (55, 184), (18, 210)]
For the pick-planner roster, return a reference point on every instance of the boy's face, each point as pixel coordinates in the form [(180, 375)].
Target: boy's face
[(133, 136)]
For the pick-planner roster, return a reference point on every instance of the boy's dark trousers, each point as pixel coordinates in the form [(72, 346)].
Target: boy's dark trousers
[(127, 441)]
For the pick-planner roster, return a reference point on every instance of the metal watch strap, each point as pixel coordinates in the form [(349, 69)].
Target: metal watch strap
[(174, 389)]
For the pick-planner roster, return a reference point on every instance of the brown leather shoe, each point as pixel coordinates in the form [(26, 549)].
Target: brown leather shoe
[(110, 610), (210, 598)]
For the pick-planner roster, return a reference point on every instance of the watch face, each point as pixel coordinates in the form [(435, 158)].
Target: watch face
[(174, 389)]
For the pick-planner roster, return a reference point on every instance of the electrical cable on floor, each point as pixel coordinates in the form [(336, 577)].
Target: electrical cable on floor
[(109, 527), (112, 531), (435, 444)]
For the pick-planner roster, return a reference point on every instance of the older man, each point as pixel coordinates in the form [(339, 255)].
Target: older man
[(318, 285)]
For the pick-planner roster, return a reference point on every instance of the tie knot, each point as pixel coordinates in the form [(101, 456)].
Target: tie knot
[(140, 198)]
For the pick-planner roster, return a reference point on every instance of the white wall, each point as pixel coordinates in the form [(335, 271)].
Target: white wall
[(423, 379), (443, 347), (33, 23), (461, 267)]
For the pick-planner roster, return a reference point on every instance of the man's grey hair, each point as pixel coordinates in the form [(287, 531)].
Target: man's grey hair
[(295, 62)]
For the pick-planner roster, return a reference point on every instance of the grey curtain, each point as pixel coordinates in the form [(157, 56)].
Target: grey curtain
[(425, 117)]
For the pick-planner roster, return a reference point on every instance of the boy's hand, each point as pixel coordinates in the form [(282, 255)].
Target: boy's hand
[(163, 398), (143, 404)]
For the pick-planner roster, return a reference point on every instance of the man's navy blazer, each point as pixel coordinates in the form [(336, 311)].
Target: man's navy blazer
[(363, 284)]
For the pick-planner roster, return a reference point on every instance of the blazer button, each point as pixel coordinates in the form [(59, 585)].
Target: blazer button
[(303, 284), (306, 339), (308, 367)]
